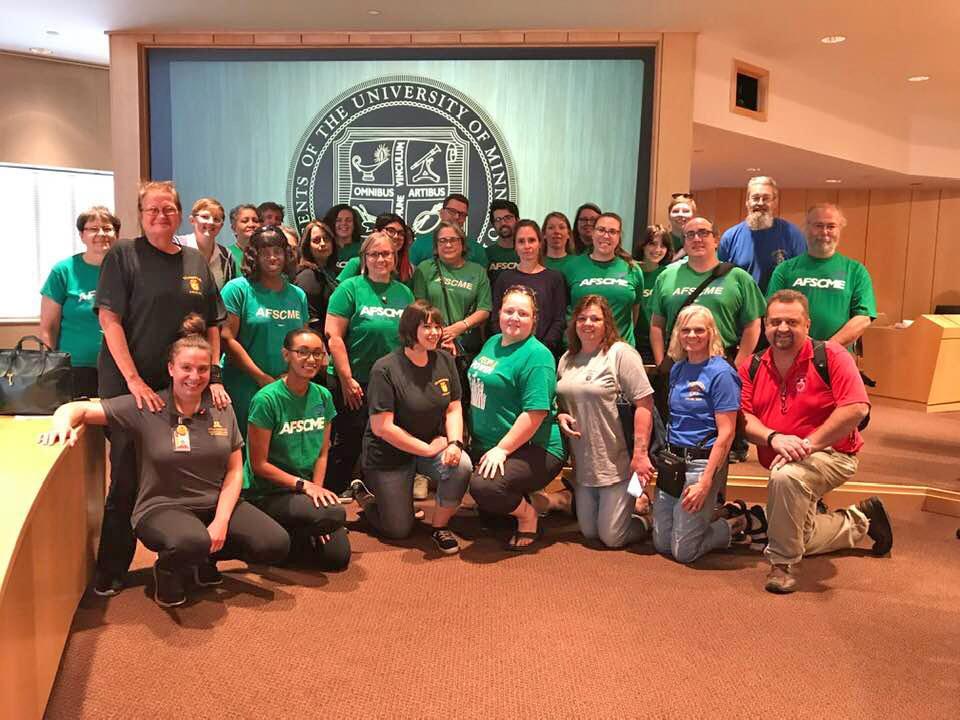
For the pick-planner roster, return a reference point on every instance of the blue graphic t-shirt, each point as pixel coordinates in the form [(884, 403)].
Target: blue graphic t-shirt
[(760, 251), (697, 392)]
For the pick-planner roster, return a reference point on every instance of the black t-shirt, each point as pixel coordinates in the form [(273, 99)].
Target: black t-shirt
[(152, 292), (319, 286), (418, 397), (552, 300)]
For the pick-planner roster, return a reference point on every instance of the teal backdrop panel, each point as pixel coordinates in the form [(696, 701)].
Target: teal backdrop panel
[(230, 127)]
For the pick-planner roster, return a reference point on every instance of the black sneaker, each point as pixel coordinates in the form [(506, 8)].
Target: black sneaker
[(360, 492), (346, 497), (879, 531), (168, 587), (446, 541), (207, 575), (107, 585)]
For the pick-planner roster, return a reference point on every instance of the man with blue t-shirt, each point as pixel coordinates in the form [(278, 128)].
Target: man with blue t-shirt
[(762, 241)]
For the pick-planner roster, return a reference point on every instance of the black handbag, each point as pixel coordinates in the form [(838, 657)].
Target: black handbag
[(626, 410), (671, 473), (34, 382)]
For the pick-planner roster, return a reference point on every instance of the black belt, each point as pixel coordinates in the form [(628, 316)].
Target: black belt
[(691, 453)]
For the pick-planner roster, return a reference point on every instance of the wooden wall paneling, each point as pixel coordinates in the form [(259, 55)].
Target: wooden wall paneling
[(706, 204), (887, 229), (921, 252), (730, 209), (277, 39), (946, 278), (793, 205), (337, 38), (855, 205), (545, 37), (232, 39), (493, 37), (819, 195)]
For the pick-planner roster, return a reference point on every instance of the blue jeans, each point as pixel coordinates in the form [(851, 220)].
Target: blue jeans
[(391, 512), (687, 536)]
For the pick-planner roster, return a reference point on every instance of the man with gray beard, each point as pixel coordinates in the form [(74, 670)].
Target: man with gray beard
[(762, 241)]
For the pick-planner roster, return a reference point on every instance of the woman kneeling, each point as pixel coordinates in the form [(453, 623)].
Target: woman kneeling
[(188, 508), (416, 426), (288, 437)]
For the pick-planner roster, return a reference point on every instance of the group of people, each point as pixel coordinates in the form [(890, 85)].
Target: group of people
[(358, 361)]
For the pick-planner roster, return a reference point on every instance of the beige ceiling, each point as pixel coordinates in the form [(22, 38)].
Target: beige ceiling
[(888, 40)]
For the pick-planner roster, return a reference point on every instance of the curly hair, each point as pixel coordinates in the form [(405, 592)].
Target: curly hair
[(264, 237)]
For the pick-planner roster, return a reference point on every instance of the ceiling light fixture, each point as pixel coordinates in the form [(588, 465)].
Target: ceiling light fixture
[(53, 33), (41, 51), (833, 181), (373, 12), (753, 169), (833, 39), (918, 78)]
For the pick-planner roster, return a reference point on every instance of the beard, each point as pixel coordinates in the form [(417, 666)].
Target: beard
[(759, 220)]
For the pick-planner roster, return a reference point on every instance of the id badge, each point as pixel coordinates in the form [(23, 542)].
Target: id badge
[(181, 439)]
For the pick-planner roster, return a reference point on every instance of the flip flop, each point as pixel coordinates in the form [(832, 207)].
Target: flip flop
[(523, 535)]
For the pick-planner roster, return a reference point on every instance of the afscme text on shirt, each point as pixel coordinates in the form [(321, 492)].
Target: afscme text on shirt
[(291, 427), (708, 291), (604, 281), (278, 314), (823, 283), (367, 310)]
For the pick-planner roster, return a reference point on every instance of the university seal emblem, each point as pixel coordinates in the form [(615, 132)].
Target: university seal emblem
[(401, 144)]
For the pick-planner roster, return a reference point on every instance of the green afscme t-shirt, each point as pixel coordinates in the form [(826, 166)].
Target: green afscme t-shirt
[(734, 300), (297, 425), (559, 264), (345, 253), (468, 290), (837, 287), (72, 284), (506, 380), (373, 313), (620, 283), (499, 259)]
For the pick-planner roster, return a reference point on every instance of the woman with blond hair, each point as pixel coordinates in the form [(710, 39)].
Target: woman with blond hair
[(207, 216), (704, 398)]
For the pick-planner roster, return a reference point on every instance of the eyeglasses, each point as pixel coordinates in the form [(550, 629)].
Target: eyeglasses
[(392, 231), (504, 218), (462, 215), (829, 227), (448, 240), (702, 233), (304, 353), (698, 331), (381, 255), (588, 222), (166, 211), (100, 230), (609, 232), (208, 218)]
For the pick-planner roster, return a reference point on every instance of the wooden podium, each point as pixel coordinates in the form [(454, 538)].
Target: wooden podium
[(919, 365), (51, 504)]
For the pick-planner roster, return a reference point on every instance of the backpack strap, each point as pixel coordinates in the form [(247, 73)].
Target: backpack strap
[(754, 365), (820, 361), (718, 272)]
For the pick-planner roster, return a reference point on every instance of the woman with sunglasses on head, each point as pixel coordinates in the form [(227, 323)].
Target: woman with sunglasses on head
[(317, 277), (681, 208), (187, 507), (288, 440), (393, 226), (583, 221), (416, 426), (515, 442), (704, 399), (147, 287), (262, 307), (347, 232), (362, 321), (608, 270), (548, 285), (67, 319), (207, 217)]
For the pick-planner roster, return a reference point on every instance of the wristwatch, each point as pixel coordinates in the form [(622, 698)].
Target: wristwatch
[(458, 443), (770, 437), (299, 487)]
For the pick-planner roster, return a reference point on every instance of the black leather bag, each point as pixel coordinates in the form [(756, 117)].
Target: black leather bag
[(671, 473), (34, 382)]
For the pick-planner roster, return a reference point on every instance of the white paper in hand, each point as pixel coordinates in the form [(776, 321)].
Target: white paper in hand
[(635, 486)]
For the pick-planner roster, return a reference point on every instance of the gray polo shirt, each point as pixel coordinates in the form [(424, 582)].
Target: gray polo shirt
[(587, 389), (168, 478)]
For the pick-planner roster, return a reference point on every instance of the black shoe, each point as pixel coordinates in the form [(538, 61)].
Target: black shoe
[(346, 497), (360, 492), (737, 456), (879, 531), (107, 585), (168, 587), (446, 541), (822, 508), (207, 575)]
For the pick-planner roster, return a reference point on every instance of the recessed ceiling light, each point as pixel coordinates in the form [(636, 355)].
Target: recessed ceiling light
[(53, 33), (833, 39), (918, 78), (373, 12), (833, 181), (753, 169), (41, 51)]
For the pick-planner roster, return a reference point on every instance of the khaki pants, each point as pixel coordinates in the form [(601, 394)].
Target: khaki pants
[(792, 493)]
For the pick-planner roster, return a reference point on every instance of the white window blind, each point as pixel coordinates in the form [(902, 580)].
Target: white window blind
[(42, 204)]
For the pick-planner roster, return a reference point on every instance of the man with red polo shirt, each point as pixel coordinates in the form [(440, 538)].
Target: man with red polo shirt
[(806, 434)]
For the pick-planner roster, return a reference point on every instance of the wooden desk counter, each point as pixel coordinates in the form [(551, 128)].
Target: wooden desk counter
[(51, 505)]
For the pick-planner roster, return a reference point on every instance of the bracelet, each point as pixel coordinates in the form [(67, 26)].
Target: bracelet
[(458, 443), (216, 374), (466, 325), (770, 437)]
